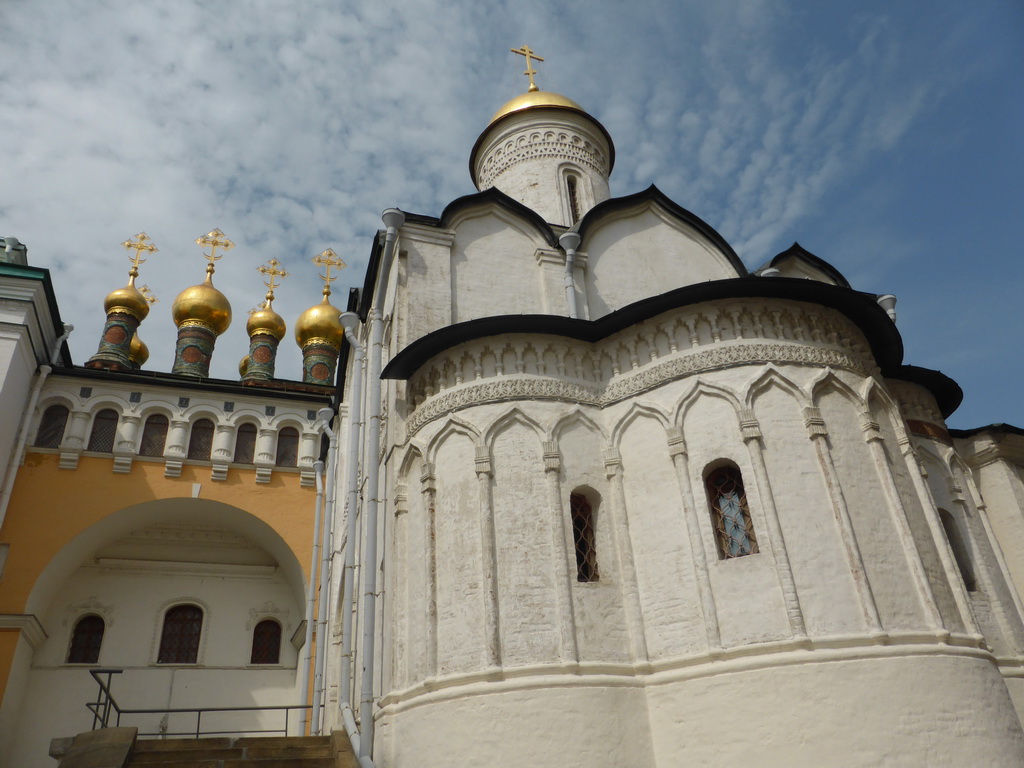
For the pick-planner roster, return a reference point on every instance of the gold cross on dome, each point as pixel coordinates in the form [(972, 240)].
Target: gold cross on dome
[(328, 259), (148, 294), (530, 71), (215, 239), (139, 244), (271, 268)]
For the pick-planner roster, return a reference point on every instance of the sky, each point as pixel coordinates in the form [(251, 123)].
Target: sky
[(883, 137)]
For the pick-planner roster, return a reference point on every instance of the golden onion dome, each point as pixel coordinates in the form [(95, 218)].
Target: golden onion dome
[(205, 304), (320, 322), (534, 100), (129, 299), (267, 320), (243, 365), (138, 352)]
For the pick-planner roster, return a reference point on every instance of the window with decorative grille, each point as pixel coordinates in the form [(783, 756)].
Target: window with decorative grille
[(245, 444), (200, 442), (154, 435), (266, 643), (86, 640), (51, 427), (960, 551), (288, 447), (179, 640), (104, 430), (582, 514), (734, 530), (574, 201)]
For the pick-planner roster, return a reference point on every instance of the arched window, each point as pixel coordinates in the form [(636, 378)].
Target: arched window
[(51, 427), (582, 514), (287, 447), (571, 183), (86, 640), (154, 435), (104, 429), (266, 643), (959, 547), (200, 442), (245, 444), (734, 530), (179, 639)]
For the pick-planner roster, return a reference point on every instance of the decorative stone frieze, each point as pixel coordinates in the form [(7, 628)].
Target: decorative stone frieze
[(530, 143)]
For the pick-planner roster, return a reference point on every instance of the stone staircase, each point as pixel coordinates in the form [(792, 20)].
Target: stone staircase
[(222, 752)]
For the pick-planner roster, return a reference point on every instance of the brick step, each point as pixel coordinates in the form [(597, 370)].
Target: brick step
[(282, 741), (161, 745), (158, 756), (225, 752), (303, 752), (282, 762)]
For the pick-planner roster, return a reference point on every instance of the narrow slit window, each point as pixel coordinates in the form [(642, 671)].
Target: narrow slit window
[(583, 531), (104, 429), (179, 640), (200, 443), (51, 427), (287, 447), (730, 515), (86, 640), (245, 444), (266, 643), (574, 200), (154, 435), (960, 551)]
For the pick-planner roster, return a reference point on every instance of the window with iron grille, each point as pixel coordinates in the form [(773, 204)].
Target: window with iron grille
[(288, 447), (154, 435), (266, 643), (200, 442), (734, 530), (51, 427), (960, 551), (104, 430), (583, 531), (86, 640), (179, 640), (574, 203), (245, 444)]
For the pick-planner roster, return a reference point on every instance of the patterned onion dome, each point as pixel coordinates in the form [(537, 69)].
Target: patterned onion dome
[(266, 320), (534, 100), (205, 304), (320, 322), (138, 352), (129, 299)]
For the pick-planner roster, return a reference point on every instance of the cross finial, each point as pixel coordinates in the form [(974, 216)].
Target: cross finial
[(148, 294), (270, 270), (215, 239), (530, 71), (140, 244), (328, 259)]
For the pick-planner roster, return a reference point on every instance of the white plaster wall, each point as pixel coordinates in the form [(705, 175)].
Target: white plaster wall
[(16, 369)]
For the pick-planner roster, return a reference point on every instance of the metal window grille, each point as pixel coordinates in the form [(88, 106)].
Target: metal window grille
[(266, 643), (179, 641), (245, 444), (288, 447), (200, 442), (104, 430), (574, 203), (86, 640), (959, 547), (583, 537), (154, 435), (729, 513), (51, 427)]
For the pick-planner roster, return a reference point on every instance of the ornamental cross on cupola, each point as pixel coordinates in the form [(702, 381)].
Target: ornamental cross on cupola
[(148, 294), (328, 259), (141, 244), (530, 71), (215, 239), (271, 270)]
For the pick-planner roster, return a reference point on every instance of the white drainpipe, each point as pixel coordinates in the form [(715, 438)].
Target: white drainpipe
[(318, 469), (570, 241), (325, 415), (26, 421)]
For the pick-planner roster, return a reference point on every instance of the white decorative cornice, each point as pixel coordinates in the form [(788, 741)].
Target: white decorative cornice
[(27, 624)]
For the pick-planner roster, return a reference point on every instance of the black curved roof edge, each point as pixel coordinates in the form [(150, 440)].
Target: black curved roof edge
[(946, 391), (860, 308), (798, 251), (504, 118), (1006, 428), (653, 194), (372, 267), (495, 196)]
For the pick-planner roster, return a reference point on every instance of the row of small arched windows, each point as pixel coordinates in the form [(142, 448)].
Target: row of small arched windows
[(154, 437), (179, 638)]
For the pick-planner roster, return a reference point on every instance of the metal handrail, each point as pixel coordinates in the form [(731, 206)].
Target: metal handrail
[(105, 704)]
